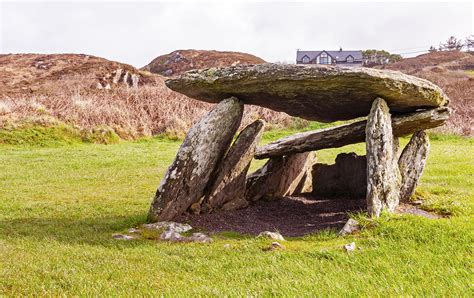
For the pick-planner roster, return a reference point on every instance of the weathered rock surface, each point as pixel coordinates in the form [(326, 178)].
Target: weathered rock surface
[(346, 178), (350, 227), (228, 188), (203, 147), (412, 162), (271, 235), (313, 92), (169, 226), (352, 133), (383, 176), (280, 176)]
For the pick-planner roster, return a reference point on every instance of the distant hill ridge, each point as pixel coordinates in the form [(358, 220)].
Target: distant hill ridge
[(179, 61)]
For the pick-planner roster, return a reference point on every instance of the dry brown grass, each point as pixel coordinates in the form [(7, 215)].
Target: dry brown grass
[(447, 70), (131, 112), (45, 89)]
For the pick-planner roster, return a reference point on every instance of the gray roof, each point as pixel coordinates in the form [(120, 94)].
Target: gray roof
[(338, 55)]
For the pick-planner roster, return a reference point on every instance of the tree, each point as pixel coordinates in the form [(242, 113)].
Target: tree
[(376, 57), (452, 44), (432, 49)]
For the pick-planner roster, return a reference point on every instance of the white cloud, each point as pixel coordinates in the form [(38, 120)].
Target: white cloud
[(136, 32)]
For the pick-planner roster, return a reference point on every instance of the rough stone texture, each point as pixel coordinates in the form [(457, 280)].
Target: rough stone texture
[(346, 134), (383, 176), (313, 92), (412, 162), (169, 226), (228, 188), (202, 148), (350, 227), (279, 177), (271, 235), (346, 178)]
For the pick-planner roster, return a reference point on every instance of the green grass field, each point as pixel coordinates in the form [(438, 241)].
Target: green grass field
[(61, 202)]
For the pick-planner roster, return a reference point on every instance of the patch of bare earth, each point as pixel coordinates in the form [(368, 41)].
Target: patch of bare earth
[(291, 216)]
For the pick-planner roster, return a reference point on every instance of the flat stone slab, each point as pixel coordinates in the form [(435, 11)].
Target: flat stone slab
[(313, 92)]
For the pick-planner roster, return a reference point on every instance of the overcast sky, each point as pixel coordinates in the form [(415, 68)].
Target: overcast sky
[(136, 32)]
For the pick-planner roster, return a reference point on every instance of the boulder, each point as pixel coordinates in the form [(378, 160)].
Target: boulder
[(383, 176), (202, 149), (314, 92), (352, 133), (346, 178), (228, 188), (280, 176), (412, 162)]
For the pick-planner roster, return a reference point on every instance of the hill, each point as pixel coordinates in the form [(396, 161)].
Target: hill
[(99, 97), (44, 74), (180, 61), (454, 73)]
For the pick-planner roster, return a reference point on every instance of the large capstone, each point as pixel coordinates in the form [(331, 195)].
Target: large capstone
[(383, 176), (412, 162), (280, 176), (202, 149), (313, 92), (228, 188)]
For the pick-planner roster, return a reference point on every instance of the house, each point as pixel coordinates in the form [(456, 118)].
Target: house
[(343, 58)]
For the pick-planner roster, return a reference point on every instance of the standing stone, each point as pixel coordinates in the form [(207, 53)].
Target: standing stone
[(280, 176), (228, 188), (203, 147), (412, 162), (383, 176)]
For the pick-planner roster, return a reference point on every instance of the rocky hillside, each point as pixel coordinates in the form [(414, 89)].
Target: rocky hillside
[(454, 73), (45, 74), (180, 61), (98, 96)]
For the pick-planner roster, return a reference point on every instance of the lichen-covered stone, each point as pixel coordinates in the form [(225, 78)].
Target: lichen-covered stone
[(351, 133), (412, 162), (383, 176), (279, 177), (313, 92), (203, 147), (228, 187)]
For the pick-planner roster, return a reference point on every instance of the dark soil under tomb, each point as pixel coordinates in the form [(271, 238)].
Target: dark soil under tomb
[(291, 216)]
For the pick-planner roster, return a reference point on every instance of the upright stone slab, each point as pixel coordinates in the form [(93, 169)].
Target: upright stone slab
[(228, 188), (202, 148), (383, 176), (280, 176), (346, 178), (412, 162)]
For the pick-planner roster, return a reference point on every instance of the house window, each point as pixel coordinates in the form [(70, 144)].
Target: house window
[(305, 59), (323, 58), (350, 59)]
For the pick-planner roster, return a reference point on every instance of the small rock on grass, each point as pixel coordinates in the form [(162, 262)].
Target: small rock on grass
[(271, 235), (350, 247), (169, 226), (350, 227), (170, 235), (122, 237)]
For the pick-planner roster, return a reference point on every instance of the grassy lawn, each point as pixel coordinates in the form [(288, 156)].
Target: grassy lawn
[(60, 204)]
